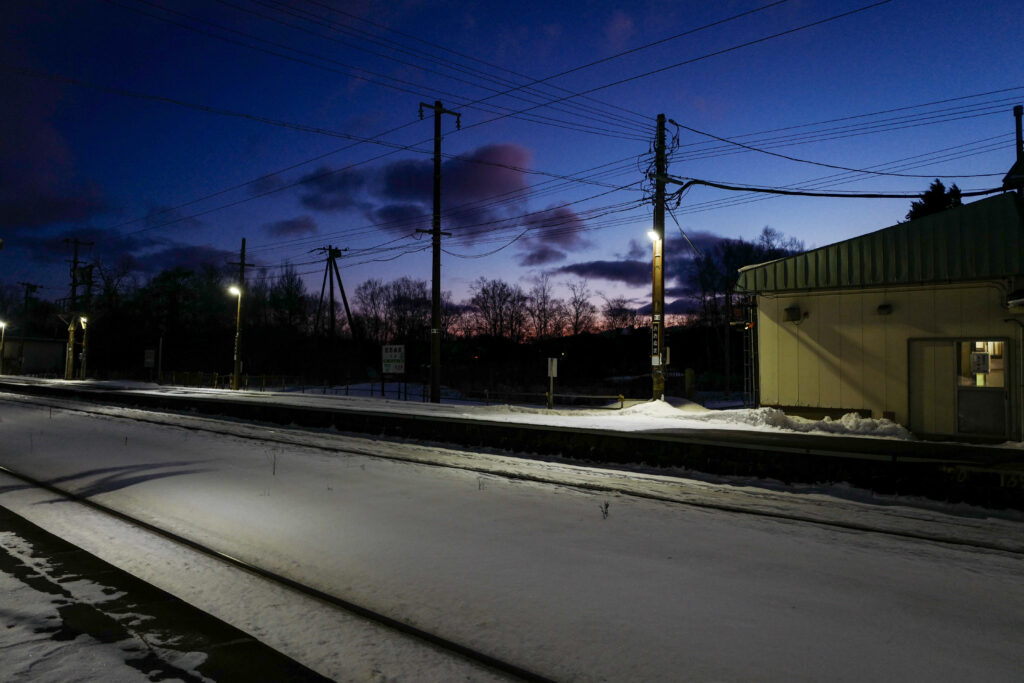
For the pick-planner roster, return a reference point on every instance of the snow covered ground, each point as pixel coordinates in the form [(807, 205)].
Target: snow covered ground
[(673, 413), (528, 561)]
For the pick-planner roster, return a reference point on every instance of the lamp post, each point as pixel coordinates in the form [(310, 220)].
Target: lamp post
[(85, 347), (657, 235), (236, 373), (658, 316), (3, 334)]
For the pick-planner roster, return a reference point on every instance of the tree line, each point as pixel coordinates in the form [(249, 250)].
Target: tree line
[(187, 315)]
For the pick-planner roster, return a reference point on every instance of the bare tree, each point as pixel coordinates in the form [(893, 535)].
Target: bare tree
[(619, 313), (409, 305), (371, 298), (580, 312), (114, 280), (498, 309), (547, 314), (288, 300)]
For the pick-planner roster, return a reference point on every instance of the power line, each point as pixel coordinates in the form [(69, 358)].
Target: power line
[(351, 71), (534, 82), (687, 183), (826, 165)]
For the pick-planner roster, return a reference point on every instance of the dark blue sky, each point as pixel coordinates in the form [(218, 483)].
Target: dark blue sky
[(166, 131)]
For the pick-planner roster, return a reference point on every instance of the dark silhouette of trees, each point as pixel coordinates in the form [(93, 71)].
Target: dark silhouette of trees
[(498, 309), (547, 313), (936, 199), (581, 313), (619, 314)]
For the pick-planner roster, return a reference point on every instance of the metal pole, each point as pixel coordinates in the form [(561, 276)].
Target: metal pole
[(238, 343), (658, 293), (3, 335)]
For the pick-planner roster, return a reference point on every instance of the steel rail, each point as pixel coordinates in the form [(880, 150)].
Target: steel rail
[(440, 642)]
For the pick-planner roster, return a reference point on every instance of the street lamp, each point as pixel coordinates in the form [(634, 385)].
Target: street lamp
[(85, 347), (3, 333), (236, 373)]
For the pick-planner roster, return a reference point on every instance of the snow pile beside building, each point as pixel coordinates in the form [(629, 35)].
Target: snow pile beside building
[(849, 424), (683, 414)]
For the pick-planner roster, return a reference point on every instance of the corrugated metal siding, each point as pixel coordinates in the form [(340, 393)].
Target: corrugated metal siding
[(978, 241)]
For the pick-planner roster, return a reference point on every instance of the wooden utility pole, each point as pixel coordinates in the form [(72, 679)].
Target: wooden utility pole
[(658, 298), (435, 282), (236, 372)]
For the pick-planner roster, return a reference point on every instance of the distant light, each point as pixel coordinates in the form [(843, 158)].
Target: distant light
[(2, 324), (235, 290), (653, 235), (83, 320)]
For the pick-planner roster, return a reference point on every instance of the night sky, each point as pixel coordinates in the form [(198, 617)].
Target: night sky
[(166, 131)]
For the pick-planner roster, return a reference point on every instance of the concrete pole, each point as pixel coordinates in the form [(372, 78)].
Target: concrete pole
[(435, 277)]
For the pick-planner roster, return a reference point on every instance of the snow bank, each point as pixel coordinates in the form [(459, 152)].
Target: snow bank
[(686, 414), (849, 424)]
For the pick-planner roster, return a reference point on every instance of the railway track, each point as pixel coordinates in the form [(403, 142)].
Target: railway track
[(445, 645), (301, 442), (921, 525)]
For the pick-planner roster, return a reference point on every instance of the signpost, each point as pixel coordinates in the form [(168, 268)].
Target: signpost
[(392, 363), (393, 359), (552, 374)]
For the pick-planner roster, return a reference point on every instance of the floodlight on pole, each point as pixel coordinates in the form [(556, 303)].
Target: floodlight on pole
[(237, 371)]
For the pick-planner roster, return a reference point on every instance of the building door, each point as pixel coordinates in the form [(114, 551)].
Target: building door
[(932, 389), (982, 400)]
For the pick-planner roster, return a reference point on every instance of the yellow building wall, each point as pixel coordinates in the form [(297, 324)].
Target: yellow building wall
[(843, 354)]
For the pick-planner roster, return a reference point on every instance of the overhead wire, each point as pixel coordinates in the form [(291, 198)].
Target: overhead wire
[(735, 47), (823, 164), (592, 112)]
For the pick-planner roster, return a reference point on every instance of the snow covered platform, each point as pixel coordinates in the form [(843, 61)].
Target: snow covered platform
[(874, 454), (66, 611)]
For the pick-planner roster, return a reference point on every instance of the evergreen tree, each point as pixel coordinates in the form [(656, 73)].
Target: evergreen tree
[(936, 199)]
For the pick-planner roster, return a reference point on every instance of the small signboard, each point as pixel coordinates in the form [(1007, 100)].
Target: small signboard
[(393, 359), (552, 367), (655, 343), (979, 362)]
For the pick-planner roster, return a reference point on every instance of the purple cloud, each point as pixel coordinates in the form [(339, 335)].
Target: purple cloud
[(332, 190), (634, 273), (542, 255), (292, 227), (184, 257)]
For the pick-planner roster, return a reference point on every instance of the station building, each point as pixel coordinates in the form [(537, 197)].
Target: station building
[(921, 323)]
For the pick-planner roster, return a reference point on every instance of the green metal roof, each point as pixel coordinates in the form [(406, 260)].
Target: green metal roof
[(979, 241)]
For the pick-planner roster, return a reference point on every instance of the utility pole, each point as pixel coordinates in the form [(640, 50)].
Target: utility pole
[(658, 237), (332, 274), (435, 282), (237, 368), (73, 312), (73, 301)]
